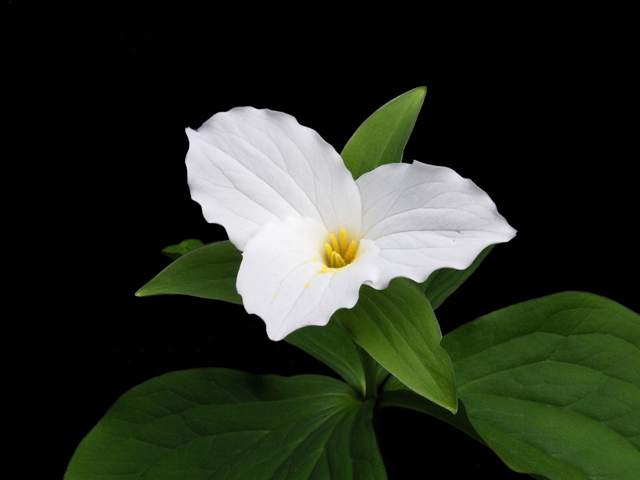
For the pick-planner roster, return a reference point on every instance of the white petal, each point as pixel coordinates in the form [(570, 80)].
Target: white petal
[(424, 218), (283, 278), (248, 167)]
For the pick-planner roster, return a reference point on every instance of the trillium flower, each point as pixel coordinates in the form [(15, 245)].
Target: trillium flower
[(311, 236)]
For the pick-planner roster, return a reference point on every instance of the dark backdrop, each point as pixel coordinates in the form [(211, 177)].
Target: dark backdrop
[(531, 105)]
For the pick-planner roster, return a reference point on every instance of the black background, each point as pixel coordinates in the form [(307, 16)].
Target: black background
[(535, 106)]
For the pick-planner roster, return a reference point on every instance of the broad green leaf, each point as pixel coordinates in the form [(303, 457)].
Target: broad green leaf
[(333, 346), (445, 281), (398, 328), (382, 137), (223, 424), (207, 272), (182, 248), (553, 385)]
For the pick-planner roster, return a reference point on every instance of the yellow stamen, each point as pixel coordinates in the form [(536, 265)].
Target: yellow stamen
[(334, 241), (339, 253), (348, 256), (329, 251), (343, 241), (336, 260)]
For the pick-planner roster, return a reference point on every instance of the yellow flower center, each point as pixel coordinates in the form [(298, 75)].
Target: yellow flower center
[(339, 252)]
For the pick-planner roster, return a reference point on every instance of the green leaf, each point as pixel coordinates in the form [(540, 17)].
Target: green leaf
[(223, 424), (553, 385), (382, 137), (445, 281), (333, 346), (207, 272), (184, 247), (398, 328)]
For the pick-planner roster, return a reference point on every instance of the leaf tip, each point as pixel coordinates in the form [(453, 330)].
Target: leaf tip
[(419, 93), (141, 292)]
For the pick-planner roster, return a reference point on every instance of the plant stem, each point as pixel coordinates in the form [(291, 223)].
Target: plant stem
[(369, 365)]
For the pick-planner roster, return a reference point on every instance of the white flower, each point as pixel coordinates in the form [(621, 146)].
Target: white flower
[(311, 236)]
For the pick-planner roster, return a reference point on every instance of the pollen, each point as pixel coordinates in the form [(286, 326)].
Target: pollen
[(340, 252)]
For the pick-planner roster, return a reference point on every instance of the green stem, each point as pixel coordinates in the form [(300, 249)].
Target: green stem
[(369, 365)]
